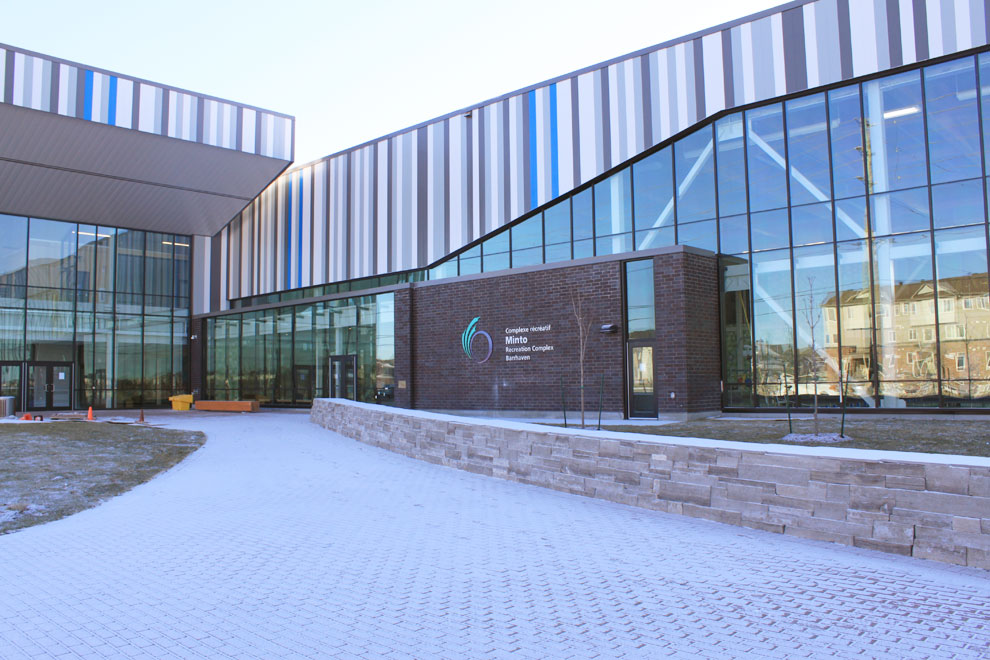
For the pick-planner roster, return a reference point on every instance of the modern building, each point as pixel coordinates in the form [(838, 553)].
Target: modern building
[(787, 207)]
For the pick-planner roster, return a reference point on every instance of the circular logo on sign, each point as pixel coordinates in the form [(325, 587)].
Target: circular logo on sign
[(467, 342)]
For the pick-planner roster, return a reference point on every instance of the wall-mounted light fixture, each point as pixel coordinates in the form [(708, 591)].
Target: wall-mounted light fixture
[(609, 328)]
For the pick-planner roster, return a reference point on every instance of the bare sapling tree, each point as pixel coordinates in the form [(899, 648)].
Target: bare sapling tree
[(813, 361), (584, 332)]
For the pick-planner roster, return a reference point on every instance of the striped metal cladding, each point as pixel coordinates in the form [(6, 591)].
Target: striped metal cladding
[(410, 198), (39, 82)]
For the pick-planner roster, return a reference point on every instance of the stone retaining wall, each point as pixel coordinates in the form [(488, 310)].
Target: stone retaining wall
[(919, 505)]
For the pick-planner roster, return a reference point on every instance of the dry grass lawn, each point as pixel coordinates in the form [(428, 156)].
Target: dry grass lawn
[(906, 433), (54, 469)]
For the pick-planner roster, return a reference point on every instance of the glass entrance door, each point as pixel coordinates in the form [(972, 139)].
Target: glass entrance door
[(642, 396), (343, 377), (49, 385)]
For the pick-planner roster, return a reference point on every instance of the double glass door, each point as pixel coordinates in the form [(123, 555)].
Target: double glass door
[(49, 385), (343, 377)]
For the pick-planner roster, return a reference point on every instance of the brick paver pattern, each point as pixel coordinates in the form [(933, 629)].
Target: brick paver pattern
[(280, 539)]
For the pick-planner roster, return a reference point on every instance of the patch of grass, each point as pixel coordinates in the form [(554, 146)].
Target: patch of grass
[(52, 470), (932, 436)]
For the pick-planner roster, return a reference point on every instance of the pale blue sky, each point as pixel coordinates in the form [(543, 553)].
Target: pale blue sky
[(351, 72)]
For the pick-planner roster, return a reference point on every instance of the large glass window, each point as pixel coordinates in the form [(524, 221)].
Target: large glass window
[(953, 121), (895, 132), (653, 179), (846, 135), (807, 149), (731, 155), (773, 327), (765, 158), (695, 168)]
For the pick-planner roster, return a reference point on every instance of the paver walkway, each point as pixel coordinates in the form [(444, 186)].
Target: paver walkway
[(280, 539)]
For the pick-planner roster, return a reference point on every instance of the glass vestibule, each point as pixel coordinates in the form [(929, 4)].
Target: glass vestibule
[(287, 356)]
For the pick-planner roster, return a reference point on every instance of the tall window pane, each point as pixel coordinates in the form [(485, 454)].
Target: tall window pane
[(816, 314), (953, 121), (964, 316), (653, 193), (731, 165), (613, 205), (895, 132), (812, 224), (640, 315), (583, 224), (765, 156), (807, 150), (737, 344), (846, 134), (856, 323), (13, 260), (158, 276), (906, 362), (695, 169), (130, 271), (774, 327)]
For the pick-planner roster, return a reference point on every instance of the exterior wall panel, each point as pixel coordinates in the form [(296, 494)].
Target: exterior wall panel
[(493, 162)]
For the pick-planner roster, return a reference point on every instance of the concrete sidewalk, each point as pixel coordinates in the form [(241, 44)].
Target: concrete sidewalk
[(280, 539)]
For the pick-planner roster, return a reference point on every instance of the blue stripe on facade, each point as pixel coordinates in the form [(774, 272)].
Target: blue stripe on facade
[(112, 102), (554, 178), (88, 99), (299, 233), (533, 178)]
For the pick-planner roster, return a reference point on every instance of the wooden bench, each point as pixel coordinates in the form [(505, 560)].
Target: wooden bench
[(228, 406)]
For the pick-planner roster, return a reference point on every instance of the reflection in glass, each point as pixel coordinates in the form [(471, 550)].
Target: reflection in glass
[(731, 165), (13, 256), (816, 313), (846, 133), (903, 283), (765, 157), (51, 254), (811, 224), (557, 220), (654, 194), (695, 169), (964, 312), (613, 205), (899, 212), (769, 229), (642, 370), (850, 219), (581, 211), (953, 121), (733, 234), (807, 149), (773, 326), (855, 322), (960, 203), (895, 132), (702, 235), (737, 344), (640, 300)]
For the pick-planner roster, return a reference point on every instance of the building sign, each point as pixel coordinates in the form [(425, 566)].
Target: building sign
[(527, 342), (482, 354)]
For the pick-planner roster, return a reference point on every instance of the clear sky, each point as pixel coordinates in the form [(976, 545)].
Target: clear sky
[(353, 71)]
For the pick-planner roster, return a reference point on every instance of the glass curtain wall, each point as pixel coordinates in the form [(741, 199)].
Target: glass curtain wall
[(113, 302), (852, 231), (281, 356)]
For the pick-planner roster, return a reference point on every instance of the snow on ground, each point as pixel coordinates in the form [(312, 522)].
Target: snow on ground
[(281, 539)]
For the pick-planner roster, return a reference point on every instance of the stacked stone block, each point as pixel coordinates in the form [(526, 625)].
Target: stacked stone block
[(921, 509)]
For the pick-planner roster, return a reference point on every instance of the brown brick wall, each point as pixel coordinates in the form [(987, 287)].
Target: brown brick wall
[(446, 378), (430, 320)]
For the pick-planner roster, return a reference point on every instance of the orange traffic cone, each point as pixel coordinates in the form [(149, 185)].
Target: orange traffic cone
[(89, 415), (27, 417)]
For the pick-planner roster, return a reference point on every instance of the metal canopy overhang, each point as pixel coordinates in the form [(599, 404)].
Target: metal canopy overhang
[(73, 169)]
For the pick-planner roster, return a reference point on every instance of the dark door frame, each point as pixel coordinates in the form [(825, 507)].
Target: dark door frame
[(49, 366), (345, 361)]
